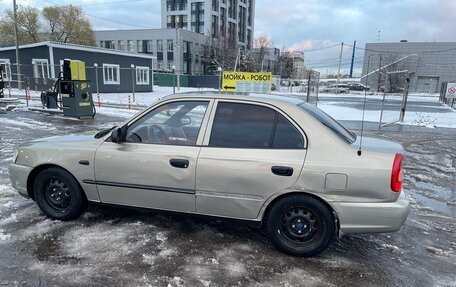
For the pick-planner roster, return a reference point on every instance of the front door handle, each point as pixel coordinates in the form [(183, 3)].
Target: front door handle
[(282, 170), (179, 163)]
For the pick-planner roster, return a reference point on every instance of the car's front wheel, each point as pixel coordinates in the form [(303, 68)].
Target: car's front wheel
[(300, 225), (58, 194)]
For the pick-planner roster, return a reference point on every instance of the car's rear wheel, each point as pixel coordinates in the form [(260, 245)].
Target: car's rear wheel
[(58, 194), (300, 225)]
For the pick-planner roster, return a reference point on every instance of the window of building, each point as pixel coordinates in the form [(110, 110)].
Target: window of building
[(214, 26), (111, 74), (215, 5), (150, 45), (40, 68), (160, 45), (170, 44), (170, 65), (139, 45), (6, 68), (121, 45), (252, 126), (131, 46), (161, 65), (142, 75)]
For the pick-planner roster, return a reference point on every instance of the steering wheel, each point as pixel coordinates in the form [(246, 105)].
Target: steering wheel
[(157, 133), (135, 137)]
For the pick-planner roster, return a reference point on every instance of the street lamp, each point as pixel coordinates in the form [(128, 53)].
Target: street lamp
[(219, 69), (174, 79), (95, 65), (133, 81)]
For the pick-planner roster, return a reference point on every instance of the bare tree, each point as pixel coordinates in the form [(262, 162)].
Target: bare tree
[(28, 24), (263, 45), (219, 52), (58, 23), (68, 24), (284, 66), (390, 77)]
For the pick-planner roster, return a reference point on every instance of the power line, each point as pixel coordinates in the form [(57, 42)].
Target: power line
[(324, 48), (403, 53), (118, 22), (106, 19), (109, 3), (327, 61)]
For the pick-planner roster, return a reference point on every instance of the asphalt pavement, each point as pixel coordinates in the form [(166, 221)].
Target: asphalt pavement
[(121, 247)]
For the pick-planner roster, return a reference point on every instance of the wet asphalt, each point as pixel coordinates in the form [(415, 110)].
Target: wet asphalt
[(122, 247)]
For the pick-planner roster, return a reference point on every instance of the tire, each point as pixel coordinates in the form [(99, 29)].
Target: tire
[(58, 194), (300, 225)]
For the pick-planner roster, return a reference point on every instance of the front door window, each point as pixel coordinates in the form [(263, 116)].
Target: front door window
[(176, 123)]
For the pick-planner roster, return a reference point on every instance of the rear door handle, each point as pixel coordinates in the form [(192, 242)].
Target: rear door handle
[(179, 163), (282, 170)]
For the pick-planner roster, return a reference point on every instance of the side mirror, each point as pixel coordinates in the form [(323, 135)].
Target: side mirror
[(116, 135), (186, 120)]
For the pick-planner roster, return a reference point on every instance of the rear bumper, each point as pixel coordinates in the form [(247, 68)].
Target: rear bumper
[(372, 217), (19, 175)]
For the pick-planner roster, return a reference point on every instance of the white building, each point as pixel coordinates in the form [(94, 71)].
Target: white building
[(226, 18), (172, 47)]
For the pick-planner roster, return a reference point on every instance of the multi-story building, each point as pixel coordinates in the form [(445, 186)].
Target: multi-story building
[(172, 47), (267, 59), (429, 64), (298, 64), (233, 19)]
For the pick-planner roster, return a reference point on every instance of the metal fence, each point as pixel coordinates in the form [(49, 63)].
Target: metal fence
[(443, 95), (313, 82)]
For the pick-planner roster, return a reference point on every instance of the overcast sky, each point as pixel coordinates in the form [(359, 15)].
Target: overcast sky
[(306, 25)]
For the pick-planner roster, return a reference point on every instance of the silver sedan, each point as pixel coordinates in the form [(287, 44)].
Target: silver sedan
[(272, 161)]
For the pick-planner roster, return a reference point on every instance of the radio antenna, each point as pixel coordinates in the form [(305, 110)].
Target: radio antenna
[(364, 107)]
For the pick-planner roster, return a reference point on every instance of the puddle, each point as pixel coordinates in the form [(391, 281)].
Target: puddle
[(436, 205)]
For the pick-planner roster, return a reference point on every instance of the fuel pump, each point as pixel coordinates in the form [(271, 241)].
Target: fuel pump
[(73, 89)]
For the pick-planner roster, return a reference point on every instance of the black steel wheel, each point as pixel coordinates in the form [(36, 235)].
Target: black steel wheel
[(58, 194), (300, 225)]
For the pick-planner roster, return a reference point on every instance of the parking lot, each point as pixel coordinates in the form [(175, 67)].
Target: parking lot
[(124, 247)]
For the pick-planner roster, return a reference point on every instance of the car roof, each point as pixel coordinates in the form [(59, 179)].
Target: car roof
[(260, 97)]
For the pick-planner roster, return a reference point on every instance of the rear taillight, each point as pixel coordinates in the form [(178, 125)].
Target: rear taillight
[(396, 174)]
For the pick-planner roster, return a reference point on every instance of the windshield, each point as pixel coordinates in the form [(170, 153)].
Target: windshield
[(336, 127)]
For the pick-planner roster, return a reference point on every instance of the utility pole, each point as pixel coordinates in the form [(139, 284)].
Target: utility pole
[(178, 58), (340, 63), (379, 73), (353, 60), (237, 57), (18, 62)]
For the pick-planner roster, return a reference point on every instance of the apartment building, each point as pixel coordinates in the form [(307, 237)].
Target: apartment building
[(213, 18)]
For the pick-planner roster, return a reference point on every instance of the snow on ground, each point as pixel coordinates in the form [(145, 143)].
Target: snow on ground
[(125, 113), (446, 118)]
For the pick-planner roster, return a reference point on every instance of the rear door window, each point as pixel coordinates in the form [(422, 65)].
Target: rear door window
[(286, 135), (238, 125)]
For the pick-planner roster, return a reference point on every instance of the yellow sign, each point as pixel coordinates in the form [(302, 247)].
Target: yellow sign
[(243, 82)]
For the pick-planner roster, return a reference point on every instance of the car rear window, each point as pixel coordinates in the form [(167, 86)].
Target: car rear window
[(336, 127)]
